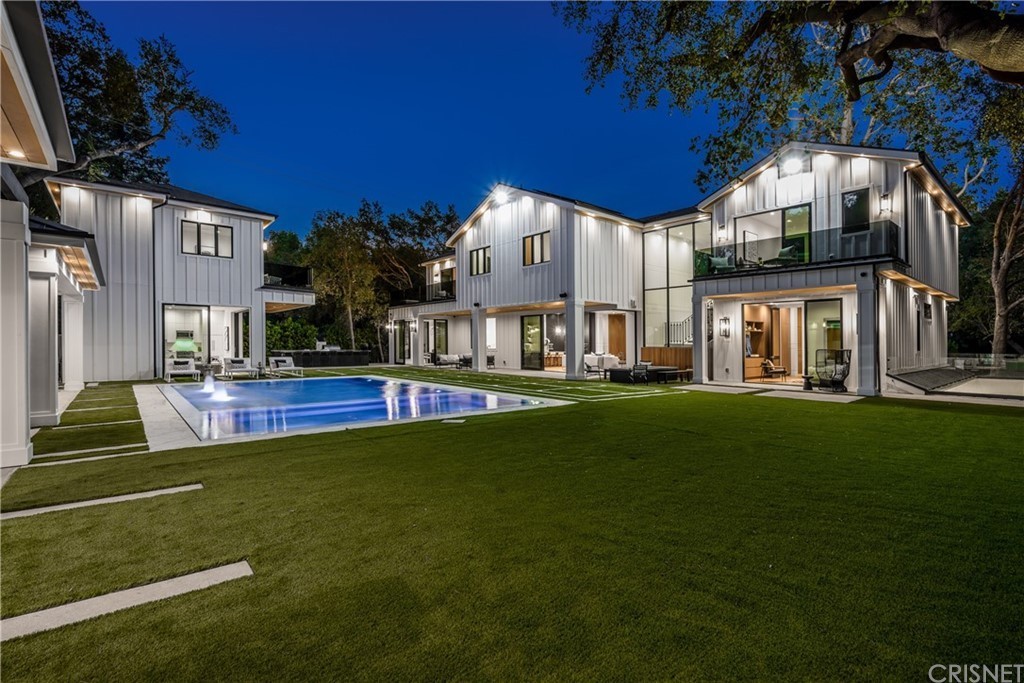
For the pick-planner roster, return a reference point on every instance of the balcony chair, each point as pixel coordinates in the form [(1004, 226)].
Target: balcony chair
[(787, 256)]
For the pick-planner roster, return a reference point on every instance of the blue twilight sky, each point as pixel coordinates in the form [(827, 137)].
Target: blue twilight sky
[(402, 103)]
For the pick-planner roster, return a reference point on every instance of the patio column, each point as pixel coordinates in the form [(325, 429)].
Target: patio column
[(42, 335), (415, 330), (73, 341), (867, 334), (699, 337), (574, 336), (15, 447), (478, 338)]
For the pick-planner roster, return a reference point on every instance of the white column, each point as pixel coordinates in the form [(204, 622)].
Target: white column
[(867, 318), (73, 342), (42, 331), (574, 324), (415, 332), (15, 447), (478, 338), (700, 338)]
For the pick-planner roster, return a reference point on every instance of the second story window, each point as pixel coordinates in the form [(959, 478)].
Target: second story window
[(206, 239), (537, 248), (480, 261), (856, 212)]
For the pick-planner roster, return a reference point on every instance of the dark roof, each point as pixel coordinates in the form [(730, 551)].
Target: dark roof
[(595, 207), (66, 235), (185, 195), (47, 227), (685, 211)]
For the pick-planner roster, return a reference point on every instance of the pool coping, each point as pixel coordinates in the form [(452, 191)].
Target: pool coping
[(174, 402)]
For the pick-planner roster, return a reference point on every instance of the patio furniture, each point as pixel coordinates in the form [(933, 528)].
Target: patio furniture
[(639, 373), (446, 360), (589, 370), (465, 361), (284, 365), (807, 382), (180, 368), (490, 360), (238, 366), (620, 375), (832, 366), (770, 370), (787, 255)]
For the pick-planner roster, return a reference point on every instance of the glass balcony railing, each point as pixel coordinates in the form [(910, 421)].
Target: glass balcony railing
[(437, 291), (283, 275), (869, 240)]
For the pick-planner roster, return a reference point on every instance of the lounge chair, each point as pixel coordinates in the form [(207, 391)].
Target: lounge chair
[(446, 359), (832, 366), (238, 366), (181, 367), (465, 361), (589, 370), (770, 370), (285, 365)]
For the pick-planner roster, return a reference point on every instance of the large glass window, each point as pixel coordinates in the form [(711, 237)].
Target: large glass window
[(655, 261), (680, 312), (824, 321), (778, 237), (206, 239), (656, 317), (680, 256), (186, 333), (537, 248), (480, 261)]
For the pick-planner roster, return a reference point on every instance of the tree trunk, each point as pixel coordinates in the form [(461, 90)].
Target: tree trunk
[(351, 327), (1000, 329), (1008, 226)]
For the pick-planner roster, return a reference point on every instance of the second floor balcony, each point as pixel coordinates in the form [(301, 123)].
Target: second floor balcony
[(284, 275), (879, 239), (437, 291)]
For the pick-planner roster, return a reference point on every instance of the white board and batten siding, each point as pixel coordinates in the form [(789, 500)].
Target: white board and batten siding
[(933, 249), (608, 262), (119, 319), (188, 279), (830, 176), (503, 227)]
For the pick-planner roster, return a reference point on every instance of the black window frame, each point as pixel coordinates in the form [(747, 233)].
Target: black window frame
[(475, 267), (536, 239), (218, 228)]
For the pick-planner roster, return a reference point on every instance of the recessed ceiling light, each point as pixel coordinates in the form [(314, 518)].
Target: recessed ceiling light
[(16, 153)]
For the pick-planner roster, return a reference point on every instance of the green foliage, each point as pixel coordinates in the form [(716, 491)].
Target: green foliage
[(118, 108), (284, 246), (771, 82), (289, 333)]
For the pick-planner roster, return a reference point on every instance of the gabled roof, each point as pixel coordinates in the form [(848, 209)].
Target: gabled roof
[(585, 207), (952, 205), (172, 193), (78, 248)]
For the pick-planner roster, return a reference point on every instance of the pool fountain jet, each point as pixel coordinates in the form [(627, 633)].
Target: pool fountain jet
[(220, 394), (208, 387)]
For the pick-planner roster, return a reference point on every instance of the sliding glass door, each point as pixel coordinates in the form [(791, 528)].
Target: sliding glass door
[(532, 335), (824, 321)]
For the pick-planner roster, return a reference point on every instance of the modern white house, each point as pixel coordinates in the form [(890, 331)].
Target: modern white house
[(816, 247), (47, 269), (185, 277)]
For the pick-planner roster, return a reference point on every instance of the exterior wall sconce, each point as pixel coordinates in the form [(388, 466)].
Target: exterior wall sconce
[(265, 245), (885, 204), (721, 233), (724, 328)]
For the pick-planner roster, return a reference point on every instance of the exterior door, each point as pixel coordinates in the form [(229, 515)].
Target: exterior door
[(617, 335), (441, 336), (532, 335)]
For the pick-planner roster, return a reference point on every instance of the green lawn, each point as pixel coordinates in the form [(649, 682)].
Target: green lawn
[(670, 535)]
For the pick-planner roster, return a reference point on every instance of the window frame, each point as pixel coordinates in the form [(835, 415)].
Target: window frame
[(537, 242), (218, 230), (484, 255), (855, 228)]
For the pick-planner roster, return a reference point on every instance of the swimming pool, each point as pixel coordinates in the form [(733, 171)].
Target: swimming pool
[(222, 410)]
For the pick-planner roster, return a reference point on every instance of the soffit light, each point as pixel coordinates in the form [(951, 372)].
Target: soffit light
[(16, 153), (501, 197), (794, 163)]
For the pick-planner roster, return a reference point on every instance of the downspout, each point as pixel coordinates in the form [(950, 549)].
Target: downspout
[(157, 356)]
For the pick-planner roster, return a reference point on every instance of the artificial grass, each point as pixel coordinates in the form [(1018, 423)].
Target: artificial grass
[(49, 440), (86, 417), (684, 536), (76, 456)]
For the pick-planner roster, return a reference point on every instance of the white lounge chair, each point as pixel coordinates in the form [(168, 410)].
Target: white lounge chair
[(238, 366), (285, 365), (181, 367)]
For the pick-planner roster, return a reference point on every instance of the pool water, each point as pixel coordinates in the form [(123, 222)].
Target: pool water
[(225, 409)]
